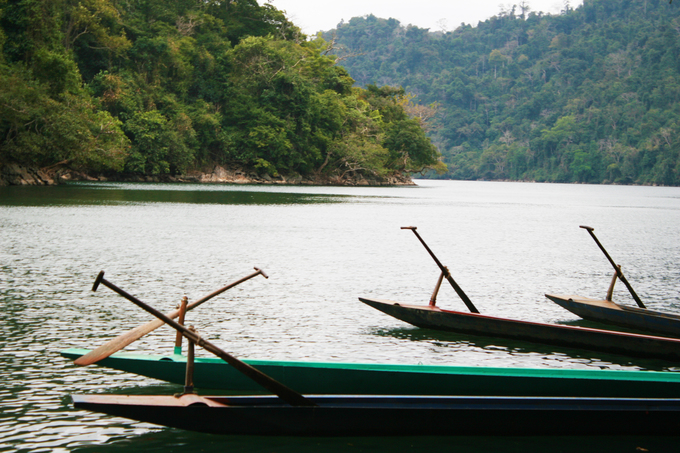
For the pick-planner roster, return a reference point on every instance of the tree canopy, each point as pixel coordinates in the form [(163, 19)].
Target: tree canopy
[(591, 94), (151, 87)]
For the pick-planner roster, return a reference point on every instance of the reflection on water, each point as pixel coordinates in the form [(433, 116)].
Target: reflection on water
[(505, 243), (87, 194), (175, 440), (525, 354)]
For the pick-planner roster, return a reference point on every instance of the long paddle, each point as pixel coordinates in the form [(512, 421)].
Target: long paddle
[(288, 395), (129, 337), (616, 267), (446, 273)]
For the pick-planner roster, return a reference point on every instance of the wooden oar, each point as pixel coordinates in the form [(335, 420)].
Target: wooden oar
[(290, 396), (125, 339), (616, 267), (446, 273)]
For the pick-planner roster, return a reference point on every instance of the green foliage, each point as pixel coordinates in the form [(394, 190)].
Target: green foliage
[(156, 87), (39, 130), (409, 148), (57, 71), (161, 145), (588, 95)]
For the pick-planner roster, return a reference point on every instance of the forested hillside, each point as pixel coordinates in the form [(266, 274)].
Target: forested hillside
[(155, 87), (588, 95)]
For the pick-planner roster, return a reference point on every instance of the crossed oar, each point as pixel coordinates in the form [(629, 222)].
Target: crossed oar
[(135, 334), (288, 395)]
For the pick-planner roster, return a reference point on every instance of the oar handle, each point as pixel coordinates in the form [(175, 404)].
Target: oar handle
[(445, 272), (616, 267), (290, 396), (441, 266), (257, 272)]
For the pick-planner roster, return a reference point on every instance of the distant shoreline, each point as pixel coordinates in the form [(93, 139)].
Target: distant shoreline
[(17, 175)]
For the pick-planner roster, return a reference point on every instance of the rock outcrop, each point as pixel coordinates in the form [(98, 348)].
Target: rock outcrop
[(16, 175), (240, 175), (13, 174)]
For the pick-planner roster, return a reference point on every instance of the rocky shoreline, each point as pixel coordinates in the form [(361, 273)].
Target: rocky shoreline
[(13, 174)]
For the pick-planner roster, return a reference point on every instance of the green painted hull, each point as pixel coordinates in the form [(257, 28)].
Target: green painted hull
[(386, 379)]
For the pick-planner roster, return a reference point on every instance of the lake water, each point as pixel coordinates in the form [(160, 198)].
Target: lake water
[(506, 245)]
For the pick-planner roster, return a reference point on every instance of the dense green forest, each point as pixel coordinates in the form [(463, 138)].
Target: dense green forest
[(155, 87), (588, 95)]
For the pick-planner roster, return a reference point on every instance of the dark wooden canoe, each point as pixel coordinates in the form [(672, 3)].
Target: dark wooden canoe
[(608, 312), (629, 344), (399, 379), (396, 415)]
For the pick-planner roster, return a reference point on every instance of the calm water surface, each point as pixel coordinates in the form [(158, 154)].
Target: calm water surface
[(506, 244)]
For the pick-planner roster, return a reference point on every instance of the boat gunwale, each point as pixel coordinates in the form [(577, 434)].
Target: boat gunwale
[(518, 372), (588, 301)]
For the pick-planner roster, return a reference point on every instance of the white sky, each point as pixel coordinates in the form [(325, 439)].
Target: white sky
[(322, 15)]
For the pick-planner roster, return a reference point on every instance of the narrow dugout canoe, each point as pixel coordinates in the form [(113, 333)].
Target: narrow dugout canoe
[(396, 415), (433, 317), (397, 379), (608, 312)]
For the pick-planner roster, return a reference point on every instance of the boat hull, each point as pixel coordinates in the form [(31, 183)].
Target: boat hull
[(610, 313), (628, 344), (394, 415), (398, 379)]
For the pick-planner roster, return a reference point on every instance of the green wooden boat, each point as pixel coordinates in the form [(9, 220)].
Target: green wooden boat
[(395, 379)]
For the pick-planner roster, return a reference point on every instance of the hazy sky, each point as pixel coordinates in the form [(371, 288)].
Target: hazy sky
[(321, 15)]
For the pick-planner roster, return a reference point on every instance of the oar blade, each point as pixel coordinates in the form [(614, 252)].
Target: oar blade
[(118, 343)]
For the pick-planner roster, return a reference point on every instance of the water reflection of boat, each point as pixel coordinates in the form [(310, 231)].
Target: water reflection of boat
[(495, 351)]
